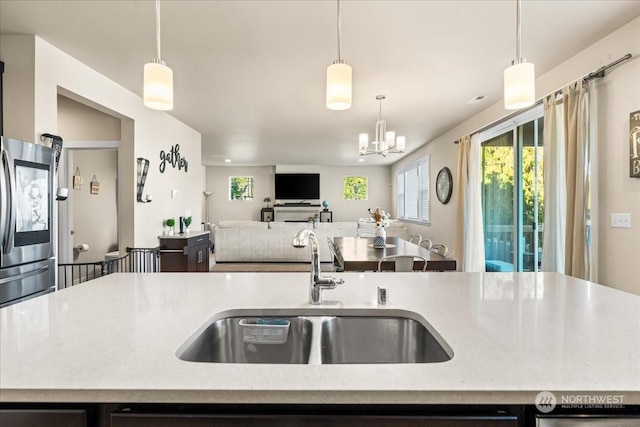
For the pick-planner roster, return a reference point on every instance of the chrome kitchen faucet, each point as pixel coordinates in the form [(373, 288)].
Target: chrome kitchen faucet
[(317, 282)]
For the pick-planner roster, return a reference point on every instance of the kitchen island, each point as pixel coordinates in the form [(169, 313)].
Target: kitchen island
[(114, 340)]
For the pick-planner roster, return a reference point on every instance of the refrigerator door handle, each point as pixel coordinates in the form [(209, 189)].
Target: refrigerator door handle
[(7, 201), (35, 272)]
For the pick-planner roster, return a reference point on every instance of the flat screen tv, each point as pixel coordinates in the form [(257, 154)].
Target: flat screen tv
[(297, 186)]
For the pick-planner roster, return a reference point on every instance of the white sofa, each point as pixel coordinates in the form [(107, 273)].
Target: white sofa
[(254, 241)]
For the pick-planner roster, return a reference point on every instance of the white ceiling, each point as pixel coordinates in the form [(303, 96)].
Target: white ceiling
[(250, 75)]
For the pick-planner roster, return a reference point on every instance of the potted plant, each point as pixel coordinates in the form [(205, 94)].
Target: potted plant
[(171, 223), (187, 222)]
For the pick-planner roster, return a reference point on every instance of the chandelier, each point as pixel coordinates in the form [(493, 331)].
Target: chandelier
[(385, 141)]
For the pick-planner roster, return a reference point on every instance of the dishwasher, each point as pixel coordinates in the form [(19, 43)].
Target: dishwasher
[(589, 421)]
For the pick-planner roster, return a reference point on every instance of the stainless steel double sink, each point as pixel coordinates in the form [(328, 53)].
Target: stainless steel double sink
[(319, 337)]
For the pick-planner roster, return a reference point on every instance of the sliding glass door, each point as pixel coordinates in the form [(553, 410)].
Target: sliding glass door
[(512, 193)]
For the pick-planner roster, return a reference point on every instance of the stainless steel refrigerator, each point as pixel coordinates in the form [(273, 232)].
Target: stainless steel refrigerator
[(27, 263)]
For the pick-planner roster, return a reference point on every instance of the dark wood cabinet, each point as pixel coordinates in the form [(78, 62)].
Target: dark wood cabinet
[(43, 417), (266, 214), (310, 420), (185, 253), (326, 216)]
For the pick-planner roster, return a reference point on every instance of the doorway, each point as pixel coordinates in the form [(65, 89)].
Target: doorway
[(512, 193), (88, 220)]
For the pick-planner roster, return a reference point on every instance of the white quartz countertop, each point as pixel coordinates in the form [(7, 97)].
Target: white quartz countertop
[(114, 339), (183, 235)]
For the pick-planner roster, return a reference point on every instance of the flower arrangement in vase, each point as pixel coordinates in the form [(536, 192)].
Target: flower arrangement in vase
[(382, 220)]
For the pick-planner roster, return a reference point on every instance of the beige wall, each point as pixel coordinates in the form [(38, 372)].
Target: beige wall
[(78, 122), (145, 132), (619, 95), (221, 208), (331, 178), (18, 89)]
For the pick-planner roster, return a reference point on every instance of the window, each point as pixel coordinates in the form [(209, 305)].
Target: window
[(240, 188), (413, 192), (355, 188)]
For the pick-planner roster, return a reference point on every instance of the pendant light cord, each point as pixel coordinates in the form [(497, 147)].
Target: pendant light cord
[(518, 32), (158, 27), (339, 33)]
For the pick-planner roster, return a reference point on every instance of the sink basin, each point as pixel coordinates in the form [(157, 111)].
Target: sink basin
[(379, 340), (317, 337), (222, 342)]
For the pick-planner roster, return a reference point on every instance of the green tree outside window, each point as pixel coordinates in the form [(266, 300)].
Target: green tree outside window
[(355, 188)]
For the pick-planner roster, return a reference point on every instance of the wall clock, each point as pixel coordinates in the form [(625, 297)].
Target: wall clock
[(444, 185)]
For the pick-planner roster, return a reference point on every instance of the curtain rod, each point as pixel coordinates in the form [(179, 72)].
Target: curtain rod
[(599, 73), (504, 119)]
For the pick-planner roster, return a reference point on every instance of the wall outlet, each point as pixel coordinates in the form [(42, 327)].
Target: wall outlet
[(175, 194), (621, 220)]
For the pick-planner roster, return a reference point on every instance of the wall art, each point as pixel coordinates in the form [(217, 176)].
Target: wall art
[(173, 158), (634, 144)]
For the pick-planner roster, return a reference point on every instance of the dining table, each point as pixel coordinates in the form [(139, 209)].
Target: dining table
[(359, 254)]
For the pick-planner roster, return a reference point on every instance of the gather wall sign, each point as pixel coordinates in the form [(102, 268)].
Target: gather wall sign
[(173, 158)]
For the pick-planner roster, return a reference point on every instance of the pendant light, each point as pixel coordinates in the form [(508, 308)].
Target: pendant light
[(338, 80), (158, 78), (519, 78)]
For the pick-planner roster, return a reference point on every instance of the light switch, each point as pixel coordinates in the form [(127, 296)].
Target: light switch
[(175, 194), (621, 220)]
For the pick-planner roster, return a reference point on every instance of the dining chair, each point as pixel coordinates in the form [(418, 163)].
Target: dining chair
[(403, 263), (415, 238), (440, 248), (338, 260), (426, 243)]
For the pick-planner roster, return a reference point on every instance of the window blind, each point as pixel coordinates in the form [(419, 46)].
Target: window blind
[(413, 191)]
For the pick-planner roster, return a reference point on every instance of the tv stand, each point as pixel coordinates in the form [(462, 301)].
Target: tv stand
[(295, 212)]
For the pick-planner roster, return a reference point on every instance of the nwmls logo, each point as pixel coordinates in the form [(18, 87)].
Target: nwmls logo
[(546, 402)]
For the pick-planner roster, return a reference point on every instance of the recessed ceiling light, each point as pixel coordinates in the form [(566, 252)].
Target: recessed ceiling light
[(476, 99), (227, 160), (361, 160)]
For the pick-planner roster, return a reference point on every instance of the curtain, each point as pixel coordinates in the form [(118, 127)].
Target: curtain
[(469, 235), (555, 190), (578, 132), (593, 199)]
